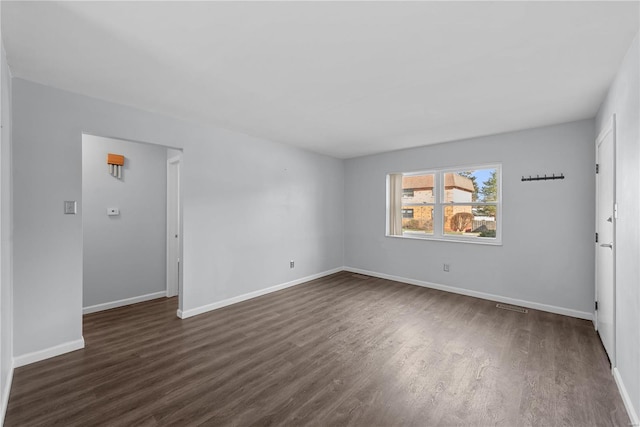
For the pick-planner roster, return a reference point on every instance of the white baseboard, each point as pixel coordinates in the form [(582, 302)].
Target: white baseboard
[(477, 294), (47, 353), (5, 395), (216, 305), (123, 302), (628, 404)]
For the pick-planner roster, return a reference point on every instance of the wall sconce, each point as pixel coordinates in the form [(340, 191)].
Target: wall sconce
[(115, 162)]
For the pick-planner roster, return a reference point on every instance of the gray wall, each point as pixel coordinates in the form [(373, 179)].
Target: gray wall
[(547, 227), (249, 206), (6, 287), (623, 99), (124, 255)]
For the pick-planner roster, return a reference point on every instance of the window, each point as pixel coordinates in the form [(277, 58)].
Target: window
[(461, 204)]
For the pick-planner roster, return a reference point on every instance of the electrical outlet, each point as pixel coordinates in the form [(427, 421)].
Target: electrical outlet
[(70, 207), (445, 267), (292, 264)]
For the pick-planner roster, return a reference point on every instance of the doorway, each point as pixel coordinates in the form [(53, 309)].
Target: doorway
[(125, 215), (606, 214), (173, 226)]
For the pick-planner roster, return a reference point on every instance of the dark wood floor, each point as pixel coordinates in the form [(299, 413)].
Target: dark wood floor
[(341, 350)]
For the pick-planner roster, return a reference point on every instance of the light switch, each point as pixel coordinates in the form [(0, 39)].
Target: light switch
[(69, 207), (113, 211)]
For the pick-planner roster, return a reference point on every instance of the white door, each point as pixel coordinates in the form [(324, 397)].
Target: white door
[(605, 246), (173, 226)]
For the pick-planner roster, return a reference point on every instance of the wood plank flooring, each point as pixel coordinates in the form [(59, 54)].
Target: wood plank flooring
[(341, 350)]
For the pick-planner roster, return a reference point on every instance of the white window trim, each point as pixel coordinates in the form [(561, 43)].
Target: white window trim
[(438, 225)]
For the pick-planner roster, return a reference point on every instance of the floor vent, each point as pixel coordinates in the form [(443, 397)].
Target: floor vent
[(360, 276), (512, 308)]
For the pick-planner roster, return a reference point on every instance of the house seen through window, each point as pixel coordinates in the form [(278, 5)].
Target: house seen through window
[(462, 204)]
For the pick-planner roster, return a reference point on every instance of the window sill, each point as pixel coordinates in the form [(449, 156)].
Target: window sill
[(473, 241)]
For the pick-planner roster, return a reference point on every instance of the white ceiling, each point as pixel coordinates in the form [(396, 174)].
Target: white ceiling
[(340, 78)]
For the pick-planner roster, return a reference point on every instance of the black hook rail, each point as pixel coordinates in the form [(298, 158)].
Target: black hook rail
[(543, 178)]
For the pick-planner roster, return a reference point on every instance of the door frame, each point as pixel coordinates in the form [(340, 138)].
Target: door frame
[(610, 128), (172, 162)]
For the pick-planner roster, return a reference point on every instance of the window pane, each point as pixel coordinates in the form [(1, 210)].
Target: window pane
[(479, 185), (417, 219), (417, 188), (467, 203), (470, 220)]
